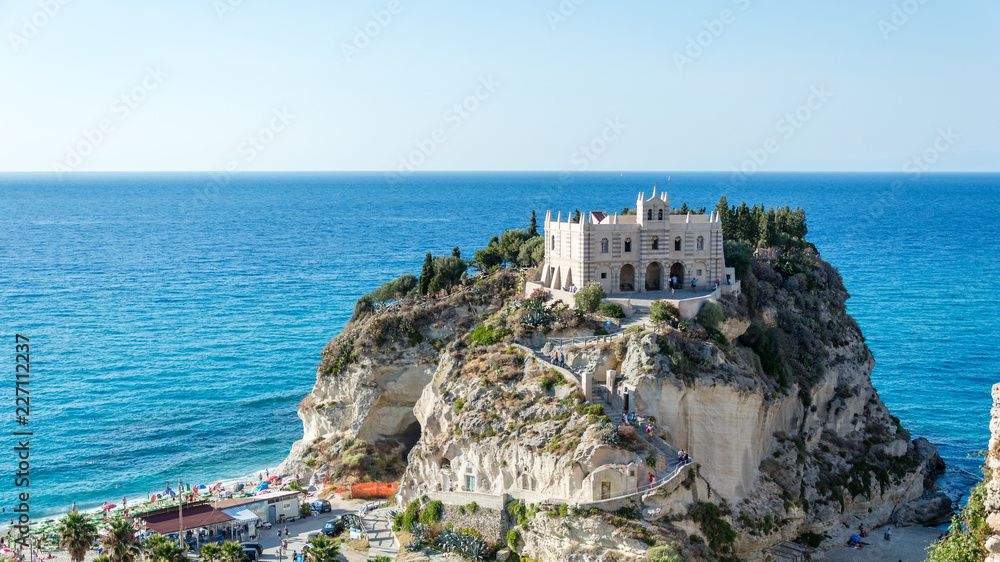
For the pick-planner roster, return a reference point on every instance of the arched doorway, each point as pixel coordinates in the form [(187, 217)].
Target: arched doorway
[(627, 279), (653, 277), (677, 270)]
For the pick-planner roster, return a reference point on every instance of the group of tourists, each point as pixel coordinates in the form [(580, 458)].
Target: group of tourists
[(675, 284), (682, 457), (17, 549), (856, 540)]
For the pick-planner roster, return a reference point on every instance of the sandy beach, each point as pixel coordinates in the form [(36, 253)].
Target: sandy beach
[(908, 544)]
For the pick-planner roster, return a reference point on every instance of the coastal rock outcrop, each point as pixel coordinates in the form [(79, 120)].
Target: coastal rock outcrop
[(991, 503), (774, 404)]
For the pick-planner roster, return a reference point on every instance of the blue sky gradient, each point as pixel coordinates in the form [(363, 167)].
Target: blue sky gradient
[(290, 86)]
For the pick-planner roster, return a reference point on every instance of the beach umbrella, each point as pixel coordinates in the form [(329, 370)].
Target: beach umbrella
[(107, 506), (216, 486), (272, 478), (238, 488)]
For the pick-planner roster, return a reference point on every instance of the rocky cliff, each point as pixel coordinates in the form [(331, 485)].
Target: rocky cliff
[(773, 401)]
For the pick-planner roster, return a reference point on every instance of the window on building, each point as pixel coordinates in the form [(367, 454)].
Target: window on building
[(470, 483), (605, 490), (701, 243), (604, 246), (656, 242), (677, 244), (628, 244), (604, 275), (649, 215), (697, 272), (660, 217), (553, 242)]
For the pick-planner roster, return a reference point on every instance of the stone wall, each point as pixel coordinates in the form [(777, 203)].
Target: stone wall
[(993, 487), (490, 522)]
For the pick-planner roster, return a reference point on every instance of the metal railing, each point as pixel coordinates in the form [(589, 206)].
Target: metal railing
[(643, 488)]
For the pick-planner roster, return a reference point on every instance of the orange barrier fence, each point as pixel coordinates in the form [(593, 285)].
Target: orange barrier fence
[(374, 489)]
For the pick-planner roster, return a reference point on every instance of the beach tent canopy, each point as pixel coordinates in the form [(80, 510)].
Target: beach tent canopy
[(242, 515), (169, 492)]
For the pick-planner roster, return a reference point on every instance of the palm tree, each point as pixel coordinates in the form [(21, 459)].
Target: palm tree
[(323, 549), (211, 552), (231, 552), (154, 542), (168, 552), (121, 543), (76, 535)]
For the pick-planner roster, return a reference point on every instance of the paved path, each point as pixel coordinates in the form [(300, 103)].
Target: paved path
[(381, 541)]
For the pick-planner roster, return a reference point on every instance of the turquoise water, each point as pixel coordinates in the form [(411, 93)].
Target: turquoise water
[(175, 327)]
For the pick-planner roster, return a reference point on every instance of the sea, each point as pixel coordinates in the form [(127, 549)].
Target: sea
[(175, 321)]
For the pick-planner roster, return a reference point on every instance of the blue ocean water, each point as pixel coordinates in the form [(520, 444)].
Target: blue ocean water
[(175, 323)]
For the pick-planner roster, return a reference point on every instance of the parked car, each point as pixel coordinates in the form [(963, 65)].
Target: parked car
[(254, 545), (250, 553), (322, 506), (334, 526)]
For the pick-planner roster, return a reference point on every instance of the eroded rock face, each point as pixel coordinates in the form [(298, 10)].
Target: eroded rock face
[(556, 539), (778, 413), (992, 501)]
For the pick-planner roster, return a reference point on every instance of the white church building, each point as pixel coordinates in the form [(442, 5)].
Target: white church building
[(635, 253)]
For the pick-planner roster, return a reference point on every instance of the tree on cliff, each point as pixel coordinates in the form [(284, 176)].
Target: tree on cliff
[(768, 230), (76, 535), (533, 225), (426, 274)]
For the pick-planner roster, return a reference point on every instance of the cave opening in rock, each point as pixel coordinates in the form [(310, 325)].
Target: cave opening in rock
[(410, 436)]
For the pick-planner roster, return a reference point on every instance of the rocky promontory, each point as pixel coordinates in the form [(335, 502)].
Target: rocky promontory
[(770, 395)]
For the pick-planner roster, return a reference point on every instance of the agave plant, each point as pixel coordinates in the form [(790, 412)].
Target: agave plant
[(469, 546)]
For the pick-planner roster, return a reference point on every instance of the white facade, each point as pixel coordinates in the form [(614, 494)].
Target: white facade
[(635, 253)]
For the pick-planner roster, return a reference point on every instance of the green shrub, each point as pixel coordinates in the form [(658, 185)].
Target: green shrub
[(600, 332), (411, 515), (967, 536), (718, 531), (432, 512), (590, 296), (489, 335), (662, 311), (611, 310), (513, 538), (664, 553), (711, 314)]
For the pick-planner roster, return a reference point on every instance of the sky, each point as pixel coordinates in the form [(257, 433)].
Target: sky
[(512, 85)]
